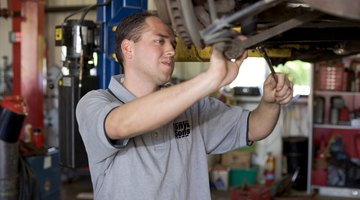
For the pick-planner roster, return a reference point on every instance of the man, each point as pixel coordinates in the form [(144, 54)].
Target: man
[(145, 141)]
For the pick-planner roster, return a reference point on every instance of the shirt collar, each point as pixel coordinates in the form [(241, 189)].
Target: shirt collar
[(119, 90)]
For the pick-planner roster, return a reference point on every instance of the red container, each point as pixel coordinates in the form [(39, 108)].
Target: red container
[(15, 104), (254, 192), (319, 177), (270, 169), (344, 115), (330, 78), (37, 138)]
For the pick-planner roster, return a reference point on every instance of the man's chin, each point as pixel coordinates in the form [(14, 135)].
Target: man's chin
[(167, 79)]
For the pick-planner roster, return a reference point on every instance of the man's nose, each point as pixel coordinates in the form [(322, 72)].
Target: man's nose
[(170, 50)]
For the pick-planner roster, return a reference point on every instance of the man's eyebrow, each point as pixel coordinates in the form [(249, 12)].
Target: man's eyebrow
[(162, 35)]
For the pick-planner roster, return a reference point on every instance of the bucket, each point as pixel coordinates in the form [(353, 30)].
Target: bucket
[(12, 115), (295, 152)]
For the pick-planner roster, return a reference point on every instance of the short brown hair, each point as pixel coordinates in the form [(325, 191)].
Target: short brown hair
[(129, 28)]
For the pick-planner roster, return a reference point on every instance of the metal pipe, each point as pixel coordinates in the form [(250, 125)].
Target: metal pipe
[(9, 175), (59, 9), (213, 14), (251, 10)]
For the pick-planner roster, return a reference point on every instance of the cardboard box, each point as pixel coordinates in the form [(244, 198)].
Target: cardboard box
[(236, 159)]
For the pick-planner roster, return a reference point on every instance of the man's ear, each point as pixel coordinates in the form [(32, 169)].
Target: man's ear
[(127, 48)]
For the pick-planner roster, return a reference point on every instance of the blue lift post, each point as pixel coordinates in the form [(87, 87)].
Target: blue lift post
[(108, 17)]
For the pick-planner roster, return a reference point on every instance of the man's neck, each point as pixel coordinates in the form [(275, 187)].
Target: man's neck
[(138, 87)]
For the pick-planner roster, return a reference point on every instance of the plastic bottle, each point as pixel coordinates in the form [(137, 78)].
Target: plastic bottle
[(27, 133), (37, 138), (270, 169), (345, 80)]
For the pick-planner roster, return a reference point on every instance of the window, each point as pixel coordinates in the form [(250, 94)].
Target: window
[(254, 71)]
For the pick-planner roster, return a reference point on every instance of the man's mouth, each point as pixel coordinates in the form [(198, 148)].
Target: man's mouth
[(168, 62)]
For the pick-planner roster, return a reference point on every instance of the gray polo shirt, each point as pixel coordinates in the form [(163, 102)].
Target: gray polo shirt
[(168, 163)]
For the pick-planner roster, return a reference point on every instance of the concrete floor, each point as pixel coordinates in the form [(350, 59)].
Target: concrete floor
[(76, 187), (80, 188)]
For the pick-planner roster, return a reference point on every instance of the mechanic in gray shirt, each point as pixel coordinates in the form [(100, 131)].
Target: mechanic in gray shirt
[(148, 142)]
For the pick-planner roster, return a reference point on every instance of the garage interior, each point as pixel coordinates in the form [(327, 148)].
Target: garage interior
[(313, 152)]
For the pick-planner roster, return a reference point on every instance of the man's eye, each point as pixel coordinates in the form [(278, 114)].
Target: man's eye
[(161, 41)]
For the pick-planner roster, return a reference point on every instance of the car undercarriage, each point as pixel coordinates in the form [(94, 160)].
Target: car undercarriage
[(311, 30)]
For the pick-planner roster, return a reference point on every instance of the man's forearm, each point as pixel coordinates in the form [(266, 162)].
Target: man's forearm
[(156, 109), (263, 120)]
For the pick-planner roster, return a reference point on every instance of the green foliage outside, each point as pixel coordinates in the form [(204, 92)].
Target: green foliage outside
[(298, 71)]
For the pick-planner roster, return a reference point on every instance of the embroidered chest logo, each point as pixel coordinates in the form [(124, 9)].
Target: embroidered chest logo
[(181, 129)]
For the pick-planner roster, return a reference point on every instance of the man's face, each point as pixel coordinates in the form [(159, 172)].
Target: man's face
[(154, 53)]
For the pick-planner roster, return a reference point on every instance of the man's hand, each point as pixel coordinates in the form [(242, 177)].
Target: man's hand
[(224, 70), (263, 119), (280, 92)]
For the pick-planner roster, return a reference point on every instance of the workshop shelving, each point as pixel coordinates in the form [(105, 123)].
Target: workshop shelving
[(335, 140)]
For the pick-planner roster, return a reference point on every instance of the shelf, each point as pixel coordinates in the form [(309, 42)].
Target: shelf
[(322, 107), (330, 92), (337, 191), (255, 99), (302, 100), (331, 126)]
